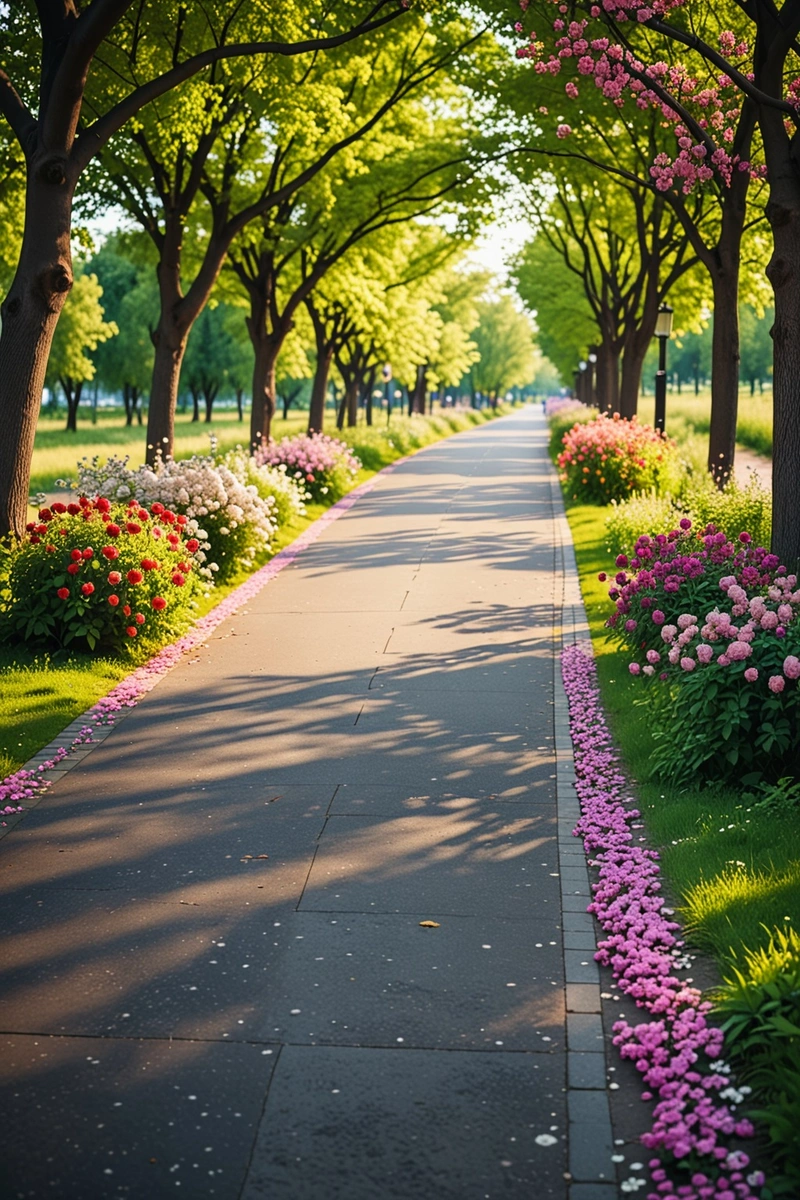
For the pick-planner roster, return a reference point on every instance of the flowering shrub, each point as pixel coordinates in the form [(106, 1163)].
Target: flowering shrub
[(562, 414), (608, 458), (677, 1051), (100, 576), (716, 621), (326, 465), (273, 484), (733, 509), (233, 523)]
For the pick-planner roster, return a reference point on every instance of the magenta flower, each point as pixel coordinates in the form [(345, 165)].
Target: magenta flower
[(634, 668), (751, 674), (658, 616)]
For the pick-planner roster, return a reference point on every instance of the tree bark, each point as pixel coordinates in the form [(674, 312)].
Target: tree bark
[(30, 314), (209, 395), (352, 403), (319, 389), (420, 389), (239, 405), (724, 372), (196, 402), (73, 389), (784, 275), (607, 378)]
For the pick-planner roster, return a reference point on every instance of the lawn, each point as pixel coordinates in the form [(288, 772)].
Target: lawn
[(731, 872)]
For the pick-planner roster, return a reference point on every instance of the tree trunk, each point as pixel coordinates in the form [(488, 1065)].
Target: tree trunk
[(319, 390), (724, 368), (784, 275), (239, 399), (72, 394), (634, 353), (420, 389), (209, 395), (30, 314), (607, 378), (341, 410), (266, 348), (196, 402)]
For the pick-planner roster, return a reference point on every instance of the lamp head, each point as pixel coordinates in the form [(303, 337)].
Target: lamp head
[(664, 320)]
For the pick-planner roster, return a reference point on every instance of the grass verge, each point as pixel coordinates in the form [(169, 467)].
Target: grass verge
[(41, 693), (731, 872)]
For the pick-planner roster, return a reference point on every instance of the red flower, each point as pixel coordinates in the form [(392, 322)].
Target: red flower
[(40, 529), (73, 568), (149, 564), (35, 541), (139, 618), (143, 514), (113, 600), (29, 528), (113, 530), (131, 631), (87, 588), (156, 509), (50, 549), (63, 532), (102, 505), (134, 576), (185, 567), (75, 555), (181, 519), (88, 552), (84, 502), (158, 602), (110, 552), (73, 509), (63, 593), (192, 545), (126, 608), (58, 507), (168, 517), (132, 527), (114, 577), (173, 539), (178, 579), (45, 514)]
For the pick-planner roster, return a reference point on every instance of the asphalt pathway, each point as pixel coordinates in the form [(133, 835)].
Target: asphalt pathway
[(220, 975)]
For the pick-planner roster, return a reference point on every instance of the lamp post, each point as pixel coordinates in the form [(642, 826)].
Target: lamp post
[(591, 382), (582, 378), (577, 384), (663, 333)]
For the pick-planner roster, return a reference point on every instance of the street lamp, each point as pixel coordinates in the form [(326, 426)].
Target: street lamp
[(663, 333), (582, 367), (592, 380)]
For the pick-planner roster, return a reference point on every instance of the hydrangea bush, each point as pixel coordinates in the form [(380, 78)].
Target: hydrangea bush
[(234, 523), (609, 458), (325, 464), (100, 575)]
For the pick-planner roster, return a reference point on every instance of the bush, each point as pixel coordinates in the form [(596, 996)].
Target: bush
[(607, 459), (324, 464), (234, 523), (99, 576), (733, 510), (562, 415), (731, 697), (760, 1006), (287, 497)]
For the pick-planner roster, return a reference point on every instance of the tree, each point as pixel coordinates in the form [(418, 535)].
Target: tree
[(52, 59), (81, 329), (703, 79), (504, 339), (691, 357)]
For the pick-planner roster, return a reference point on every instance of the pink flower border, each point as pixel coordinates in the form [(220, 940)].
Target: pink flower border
[(26, 784), (695, 1105)]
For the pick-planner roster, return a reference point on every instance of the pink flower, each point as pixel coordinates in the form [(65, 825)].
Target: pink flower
[(658, 616), (769, 620), (704, 653), (634, 668), (687, 664), (648, 670), (791, 667), (776, 684), (668, 633), (653, 656), (739, 651), (751, 674)]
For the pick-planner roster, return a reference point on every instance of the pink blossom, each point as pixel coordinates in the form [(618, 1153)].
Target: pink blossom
[(704, 653), (739, 651), (653, 656), (634, 668), (687, 664), (791, 667), (658, 616), (776, 684), (751, 674)]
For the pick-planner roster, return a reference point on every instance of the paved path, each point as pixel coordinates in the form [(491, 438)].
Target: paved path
[(215, 980)]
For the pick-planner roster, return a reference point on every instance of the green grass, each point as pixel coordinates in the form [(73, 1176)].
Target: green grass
[(41, 693), (731, 870), (689, 415)]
